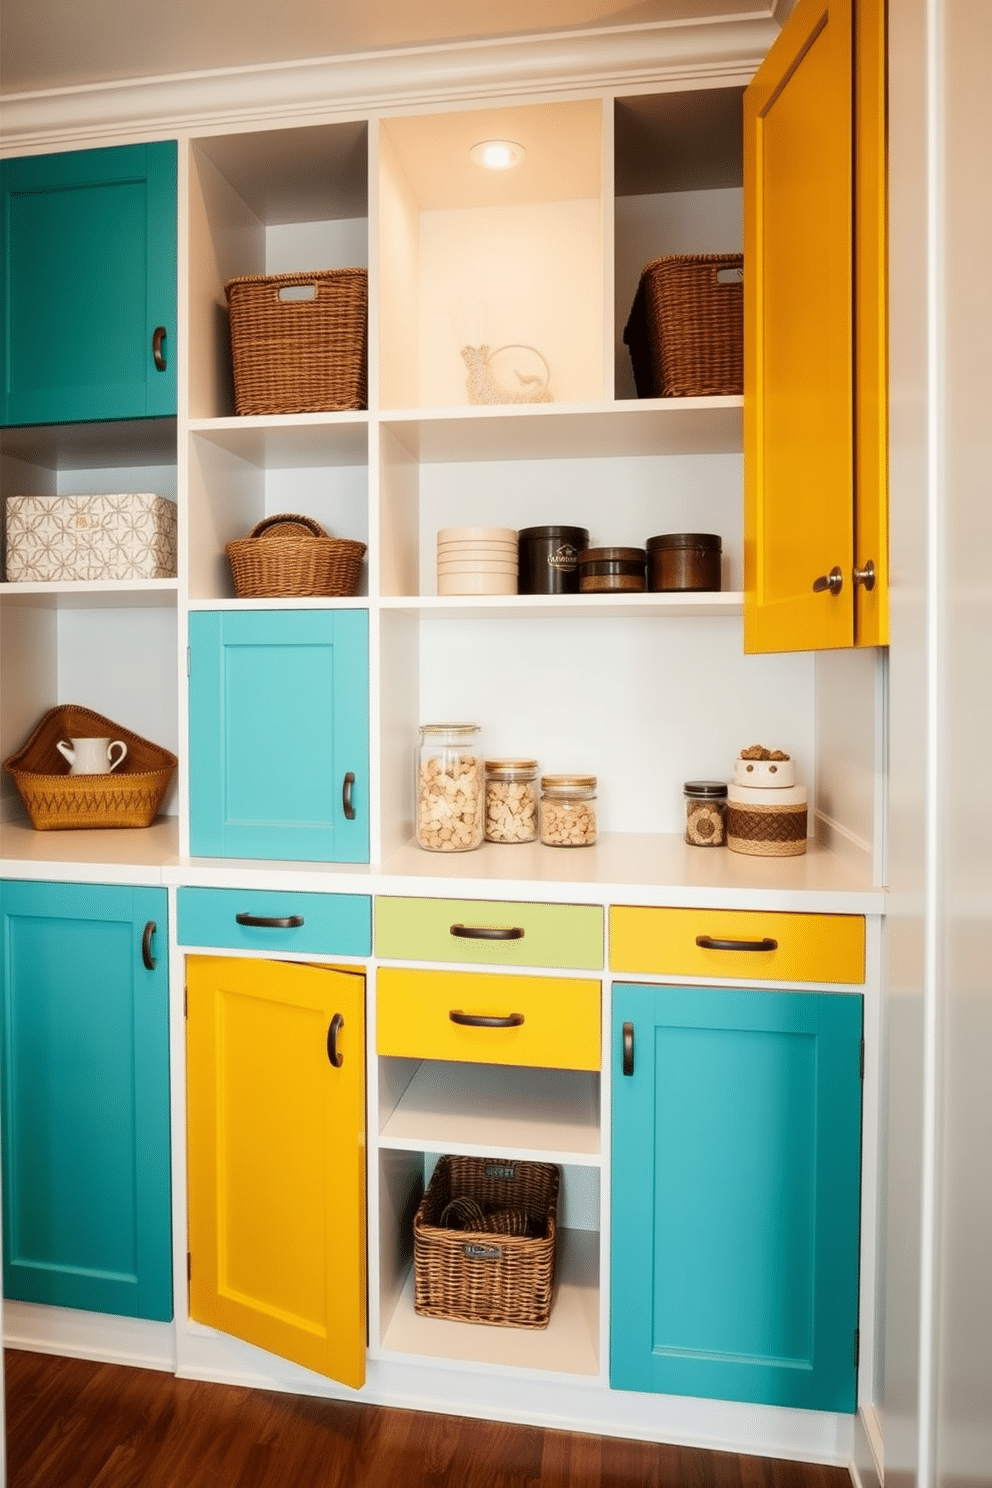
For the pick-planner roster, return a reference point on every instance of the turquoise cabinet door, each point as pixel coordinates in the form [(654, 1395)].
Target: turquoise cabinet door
[(736, 1194), (88, 242), (279, 734), (86, 1174)]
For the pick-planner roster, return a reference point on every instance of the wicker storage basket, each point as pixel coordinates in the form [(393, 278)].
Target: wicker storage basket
[(293, 555), (491, 1273), (295, 355), (685, 333), (57, 801)]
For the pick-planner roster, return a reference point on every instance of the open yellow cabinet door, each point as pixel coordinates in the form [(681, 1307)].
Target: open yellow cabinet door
[(799, 336), (276, 1154)]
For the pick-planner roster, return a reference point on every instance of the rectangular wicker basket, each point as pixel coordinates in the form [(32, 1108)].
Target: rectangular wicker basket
[(685, 333), (58, 801), (294, 355), (484, 1240)]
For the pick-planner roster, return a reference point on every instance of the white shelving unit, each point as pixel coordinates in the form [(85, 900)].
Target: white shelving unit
[(644, 690)]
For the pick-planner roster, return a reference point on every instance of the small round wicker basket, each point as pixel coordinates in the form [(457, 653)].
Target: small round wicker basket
[(289, 555)]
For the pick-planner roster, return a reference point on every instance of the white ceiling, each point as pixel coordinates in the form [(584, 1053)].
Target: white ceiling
[(52, 44)]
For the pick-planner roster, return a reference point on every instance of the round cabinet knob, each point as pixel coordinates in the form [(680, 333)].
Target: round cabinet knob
[(833, 581)]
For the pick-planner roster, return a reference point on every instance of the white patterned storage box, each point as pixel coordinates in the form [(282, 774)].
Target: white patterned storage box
[(51, 539)]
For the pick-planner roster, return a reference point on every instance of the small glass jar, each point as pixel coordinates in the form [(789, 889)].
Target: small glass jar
[(511, 800), (568, 810), (450, 787), (705, 812)]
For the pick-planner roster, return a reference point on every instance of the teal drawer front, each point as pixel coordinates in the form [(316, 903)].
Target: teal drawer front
[(255, 920)]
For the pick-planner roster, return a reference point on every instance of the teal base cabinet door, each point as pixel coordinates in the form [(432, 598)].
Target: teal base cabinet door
[(279, 734), (86, 1174), (736, 1194)]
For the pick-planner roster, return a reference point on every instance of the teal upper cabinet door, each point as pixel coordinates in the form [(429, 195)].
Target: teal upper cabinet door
[(88, 242), (85, 1067), (279, 734), (736, 1194)]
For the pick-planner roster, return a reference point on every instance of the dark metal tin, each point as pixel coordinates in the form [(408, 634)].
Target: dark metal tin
[(684, 560)]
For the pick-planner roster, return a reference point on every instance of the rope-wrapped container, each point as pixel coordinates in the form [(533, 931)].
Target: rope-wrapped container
[(299, 355), (484, 1240), (57, 801), (289, 555), (685, 333)]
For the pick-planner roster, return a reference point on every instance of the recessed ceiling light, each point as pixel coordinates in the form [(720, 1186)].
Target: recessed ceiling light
[(497, 154)]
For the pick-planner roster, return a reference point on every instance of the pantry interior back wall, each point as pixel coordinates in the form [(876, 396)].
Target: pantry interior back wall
[(579, 682)]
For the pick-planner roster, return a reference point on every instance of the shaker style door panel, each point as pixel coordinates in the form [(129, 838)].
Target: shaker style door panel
[(88, 329), (279, 744), (276, 1150), (736, 1194), (799, 336), (86, 1169)]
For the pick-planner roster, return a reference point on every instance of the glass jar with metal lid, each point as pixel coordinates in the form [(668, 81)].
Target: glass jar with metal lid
[(568, 810), (705, 812), (449, 787), (511, 800)]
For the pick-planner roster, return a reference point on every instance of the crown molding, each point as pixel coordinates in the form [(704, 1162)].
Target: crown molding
[(330, 87)]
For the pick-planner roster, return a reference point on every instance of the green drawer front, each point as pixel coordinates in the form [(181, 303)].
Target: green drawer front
[(519, 934), (331, 924)]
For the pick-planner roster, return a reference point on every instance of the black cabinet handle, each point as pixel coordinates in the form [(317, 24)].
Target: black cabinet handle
[(347, 794), (158, 341), (333, 1052), (146, 946), (484, 1020), (628, 1048), (488, 932), (270, 922), (709, 943)]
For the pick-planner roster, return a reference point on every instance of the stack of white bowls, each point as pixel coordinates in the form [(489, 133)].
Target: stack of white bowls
[(477, 560)]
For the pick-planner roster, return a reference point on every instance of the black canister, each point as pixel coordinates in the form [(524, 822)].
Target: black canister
[(548, 559), (684, 560)]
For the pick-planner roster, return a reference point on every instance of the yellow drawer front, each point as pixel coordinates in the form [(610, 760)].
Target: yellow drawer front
[(538, 1021), (747, 945)]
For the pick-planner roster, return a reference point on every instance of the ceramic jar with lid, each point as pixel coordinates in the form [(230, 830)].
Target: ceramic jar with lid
[(766, 809), (450, 787), (568, 810), (511, 800)]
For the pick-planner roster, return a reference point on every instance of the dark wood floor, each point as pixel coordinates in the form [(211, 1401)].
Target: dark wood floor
[(73, 1424)]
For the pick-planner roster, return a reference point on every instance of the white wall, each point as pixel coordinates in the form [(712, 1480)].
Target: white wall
[(937, 1383)]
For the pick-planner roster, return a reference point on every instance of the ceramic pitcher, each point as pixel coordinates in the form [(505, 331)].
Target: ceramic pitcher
[(92, 756)]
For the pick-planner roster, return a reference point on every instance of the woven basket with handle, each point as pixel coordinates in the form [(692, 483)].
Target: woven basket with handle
[(287, 555), (500, 1267), (685, 333), (299, 355)]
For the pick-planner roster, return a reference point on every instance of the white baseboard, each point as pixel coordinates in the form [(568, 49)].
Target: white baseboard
[(89, 1335), (868, 1466)]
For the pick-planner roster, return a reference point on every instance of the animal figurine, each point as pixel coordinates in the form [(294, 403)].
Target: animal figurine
[(484, 386)]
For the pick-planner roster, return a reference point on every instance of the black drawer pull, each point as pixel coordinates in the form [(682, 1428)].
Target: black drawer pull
[(484, 1020), (488, 932), (708, 943), (270, 922), (348, 796), (628, 1048), (333, 1052), (158, 341), (146, 946)]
